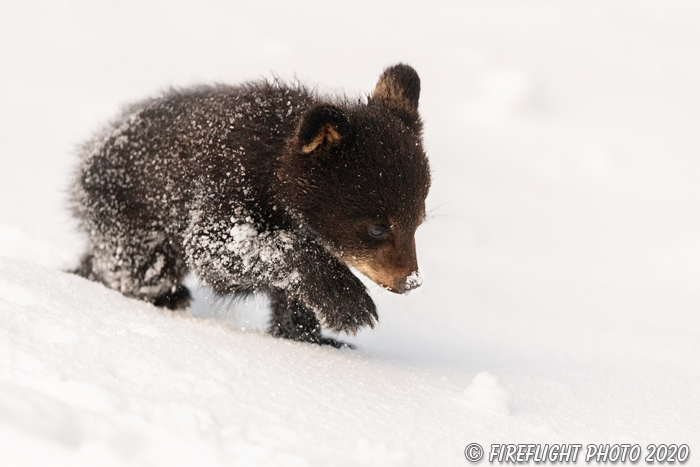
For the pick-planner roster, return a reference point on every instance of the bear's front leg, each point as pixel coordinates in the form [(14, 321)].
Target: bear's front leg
[(292, 320), (231, 254), (330, 290)]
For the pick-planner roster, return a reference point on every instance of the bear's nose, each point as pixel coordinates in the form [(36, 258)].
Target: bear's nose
[(413, 281)]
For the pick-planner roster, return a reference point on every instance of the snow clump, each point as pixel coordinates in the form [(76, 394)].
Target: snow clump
[(485, 392)]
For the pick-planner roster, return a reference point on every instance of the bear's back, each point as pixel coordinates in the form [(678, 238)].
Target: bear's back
[(160, 153)]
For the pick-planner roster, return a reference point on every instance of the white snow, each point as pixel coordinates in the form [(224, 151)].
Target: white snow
[(414, 280), (562, 254), (485, 392)]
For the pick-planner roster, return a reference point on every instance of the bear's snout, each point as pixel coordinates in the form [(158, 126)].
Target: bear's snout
[(394, 269), (411, 282)]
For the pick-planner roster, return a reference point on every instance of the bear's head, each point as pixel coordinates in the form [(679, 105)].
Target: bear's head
[(358, 176)]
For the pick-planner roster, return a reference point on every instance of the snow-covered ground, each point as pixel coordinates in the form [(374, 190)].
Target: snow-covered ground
[(561, 300)]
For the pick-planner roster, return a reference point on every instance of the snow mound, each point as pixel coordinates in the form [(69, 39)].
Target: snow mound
[(90, 377), (486, 392)]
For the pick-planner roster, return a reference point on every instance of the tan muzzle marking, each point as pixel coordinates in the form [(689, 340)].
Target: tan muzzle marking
[(398, 283)]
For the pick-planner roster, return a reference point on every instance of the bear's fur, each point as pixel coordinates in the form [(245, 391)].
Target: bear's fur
[(264, 187)]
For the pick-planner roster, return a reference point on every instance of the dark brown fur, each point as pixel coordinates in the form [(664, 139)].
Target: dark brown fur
[(260, 187)]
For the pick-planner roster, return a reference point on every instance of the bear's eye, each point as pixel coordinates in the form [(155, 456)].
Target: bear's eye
[(378, 231)]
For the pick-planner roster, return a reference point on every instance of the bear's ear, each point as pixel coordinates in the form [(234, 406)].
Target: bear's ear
[(322, 126), (398, 89)]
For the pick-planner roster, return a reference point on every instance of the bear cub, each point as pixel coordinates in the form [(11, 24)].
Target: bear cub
[(262, 187)]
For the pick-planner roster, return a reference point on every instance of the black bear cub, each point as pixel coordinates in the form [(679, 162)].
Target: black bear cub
[(264, 187)]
